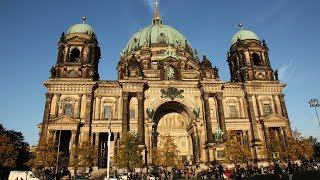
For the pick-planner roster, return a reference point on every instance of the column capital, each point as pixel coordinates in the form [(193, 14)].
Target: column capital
[(58, 94), (218, 95), (140, 95), (49, 95), (125, 95), (206, 95), (80, 95), (281, 96)]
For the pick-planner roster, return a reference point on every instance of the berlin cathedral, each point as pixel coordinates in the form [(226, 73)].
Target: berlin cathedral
[(163, 87)]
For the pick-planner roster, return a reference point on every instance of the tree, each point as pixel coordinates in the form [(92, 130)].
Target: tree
[(235, 152), (85, 155), (129, 154), (316, 148), (275, 150), (12, 143), (298, 147), (44, 155), (8, 154), (166, 154)]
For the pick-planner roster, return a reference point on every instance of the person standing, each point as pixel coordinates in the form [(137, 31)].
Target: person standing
[(290, 170)]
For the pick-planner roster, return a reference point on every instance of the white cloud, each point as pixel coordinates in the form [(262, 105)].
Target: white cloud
[(287, 71), (151, 4)]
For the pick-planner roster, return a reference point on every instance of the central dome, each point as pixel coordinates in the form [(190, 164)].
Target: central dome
[(156, 33)]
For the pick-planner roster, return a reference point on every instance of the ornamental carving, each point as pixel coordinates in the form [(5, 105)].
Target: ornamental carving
[(172, 93)]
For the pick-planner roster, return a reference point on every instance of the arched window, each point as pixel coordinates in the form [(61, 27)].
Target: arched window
[(256, 59), (68, 109), (74, 55)]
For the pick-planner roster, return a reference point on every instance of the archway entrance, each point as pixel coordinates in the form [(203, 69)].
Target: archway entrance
[(174, 119)]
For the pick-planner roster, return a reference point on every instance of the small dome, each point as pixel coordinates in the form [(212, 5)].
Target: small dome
[(81, 28), (243, 35)]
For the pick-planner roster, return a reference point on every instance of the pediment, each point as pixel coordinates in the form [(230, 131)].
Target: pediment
[(65, 120), (274, 118)]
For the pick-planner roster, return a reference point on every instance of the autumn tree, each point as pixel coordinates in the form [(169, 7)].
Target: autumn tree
[(166, 154), (234, 151), (129, 154), (85, 155), (275, 150), (316, 148), (12, 143), (298, 147), (44, 155), (8, 154)]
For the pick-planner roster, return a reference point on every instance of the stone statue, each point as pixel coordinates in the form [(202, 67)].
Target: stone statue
[(218, 134), (53, 72), (170, 73), (62, 36), (196, 112), (150, 112), (276, 75)]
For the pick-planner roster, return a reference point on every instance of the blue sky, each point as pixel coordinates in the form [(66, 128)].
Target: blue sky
[(30, 31)]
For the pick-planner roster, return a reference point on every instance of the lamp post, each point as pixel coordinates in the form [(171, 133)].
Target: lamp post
[(314, 103), (108, 156), (60, 104)]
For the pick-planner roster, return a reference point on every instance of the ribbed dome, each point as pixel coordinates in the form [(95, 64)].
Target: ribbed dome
[(154, 34), (243, 35), (81, 28)]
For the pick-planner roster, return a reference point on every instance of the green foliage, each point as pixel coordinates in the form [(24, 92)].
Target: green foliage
[(316, 148), (235, 152), (129, 154), (166, 154), (44, 155), (85, 155)]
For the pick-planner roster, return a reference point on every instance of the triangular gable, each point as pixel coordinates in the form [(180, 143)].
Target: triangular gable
[(274, 117), (64, 120)]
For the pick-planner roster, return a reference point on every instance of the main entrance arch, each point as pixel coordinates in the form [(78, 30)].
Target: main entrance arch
[(175, 119)]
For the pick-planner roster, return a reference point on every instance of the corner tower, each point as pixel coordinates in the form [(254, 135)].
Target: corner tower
[(248, 58), (78, 55)]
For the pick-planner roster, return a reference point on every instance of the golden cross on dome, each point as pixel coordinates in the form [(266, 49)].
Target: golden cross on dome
[(156, 4)]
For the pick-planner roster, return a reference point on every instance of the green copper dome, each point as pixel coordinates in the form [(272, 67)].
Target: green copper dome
[(154, 34), (81, 28), (243, 35)]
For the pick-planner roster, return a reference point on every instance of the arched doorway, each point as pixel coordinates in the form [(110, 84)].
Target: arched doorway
[(174, 119)]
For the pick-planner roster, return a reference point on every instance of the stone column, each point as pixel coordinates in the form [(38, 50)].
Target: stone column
[(207, 117), (222, 122), (57, 105), (196, 147), (284, 112), (97, 140), (46, 115), (253, 125), (98, 108), (276, 108), (116, 113), (140, 97), (125, 109), (72, 145), (266, 130), (88, 117), (79, 106)]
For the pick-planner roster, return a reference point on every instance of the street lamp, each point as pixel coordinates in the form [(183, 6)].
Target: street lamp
[(60, 104), (314, 103)]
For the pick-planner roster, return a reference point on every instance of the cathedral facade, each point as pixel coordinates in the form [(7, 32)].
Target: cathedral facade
[(163, 88)]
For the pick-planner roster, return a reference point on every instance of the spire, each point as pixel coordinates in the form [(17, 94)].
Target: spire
[(84, 18), (240, 26), (157, 19)]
